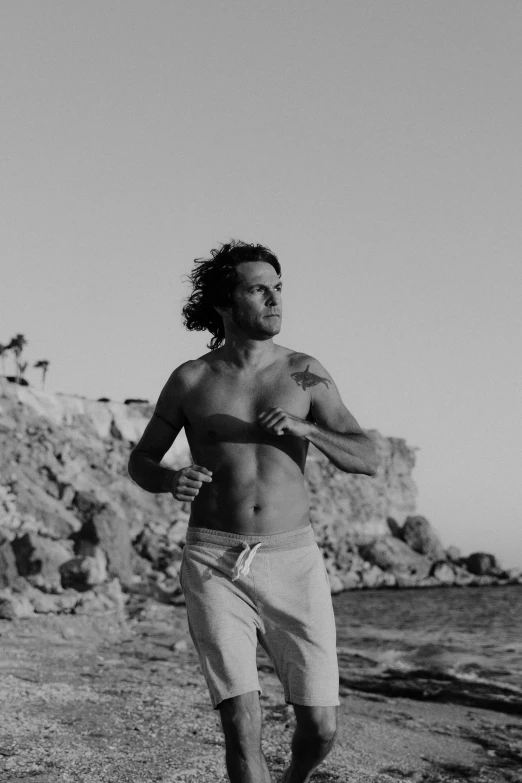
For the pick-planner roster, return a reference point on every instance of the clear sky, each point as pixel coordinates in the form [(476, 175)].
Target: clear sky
[(374, 146)]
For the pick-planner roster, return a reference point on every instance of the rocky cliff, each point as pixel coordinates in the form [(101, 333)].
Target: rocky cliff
[(74, 527)]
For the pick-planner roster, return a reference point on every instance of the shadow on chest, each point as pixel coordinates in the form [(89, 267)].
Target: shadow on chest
[(229, 412)]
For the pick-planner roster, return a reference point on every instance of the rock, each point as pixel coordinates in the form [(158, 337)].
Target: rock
[(104, 598), (346, 508), (514, 576), (45, 603), (14, 606), (53, 518), (8, 570), (85, 571), (484, 581), (180, 646), (407, 580), (390, 554), (428, 581), (420, 536), (158, 546), (39, 560), (453, 554), (462, 577), (443, 572), (394, 527), (105, 524), (351, 580), (389, 579), (481, 564), (373, 577)]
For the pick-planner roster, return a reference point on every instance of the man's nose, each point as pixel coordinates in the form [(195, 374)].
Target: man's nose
[(274, 297)]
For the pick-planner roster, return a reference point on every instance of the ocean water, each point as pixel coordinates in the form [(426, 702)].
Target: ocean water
[(461, 645)]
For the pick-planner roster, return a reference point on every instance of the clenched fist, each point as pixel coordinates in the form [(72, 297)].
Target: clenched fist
[(187, 482), (279, 422)]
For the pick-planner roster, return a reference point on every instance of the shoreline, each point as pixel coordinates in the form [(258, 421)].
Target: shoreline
[(105, 699)]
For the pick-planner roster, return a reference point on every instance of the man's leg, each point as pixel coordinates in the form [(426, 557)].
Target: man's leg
[(241, 721), (312, 741)]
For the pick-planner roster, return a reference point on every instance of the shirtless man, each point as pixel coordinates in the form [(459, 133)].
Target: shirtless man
[(251, 570)]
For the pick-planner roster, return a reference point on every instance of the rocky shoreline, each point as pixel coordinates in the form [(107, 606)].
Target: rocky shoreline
[(77, 536)]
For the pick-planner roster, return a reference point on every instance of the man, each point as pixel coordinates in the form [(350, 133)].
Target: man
[(251, 570)]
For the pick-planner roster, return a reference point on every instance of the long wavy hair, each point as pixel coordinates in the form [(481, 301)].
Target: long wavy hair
[(213, 281)]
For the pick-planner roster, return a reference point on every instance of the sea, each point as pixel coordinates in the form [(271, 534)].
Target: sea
[(460, 645)]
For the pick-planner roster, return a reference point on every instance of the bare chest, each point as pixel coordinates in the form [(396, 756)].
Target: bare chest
[(220, 404)]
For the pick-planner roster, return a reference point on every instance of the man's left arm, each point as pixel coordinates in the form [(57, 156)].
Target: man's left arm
[(330, 426)]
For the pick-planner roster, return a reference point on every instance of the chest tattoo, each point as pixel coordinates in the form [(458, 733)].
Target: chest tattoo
[(306, 379)]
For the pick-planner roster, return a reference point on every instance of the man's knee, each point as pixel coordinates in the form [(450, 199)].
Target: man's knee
[(241, 720), (318, 724)]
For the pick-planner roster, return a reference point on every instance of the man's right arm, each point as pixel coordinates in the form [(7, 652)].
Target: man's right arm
[(159, 435)]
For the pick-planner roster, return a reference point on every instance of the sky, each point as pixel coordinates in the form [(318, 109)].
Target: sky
[(375, 147)]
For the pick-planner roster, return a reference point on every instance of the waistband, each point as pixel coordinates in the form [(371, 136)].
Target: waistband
[(290, 539)]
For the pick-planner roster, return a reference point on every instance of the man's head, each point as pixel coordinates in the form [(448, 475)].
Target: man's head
[(239, 284)]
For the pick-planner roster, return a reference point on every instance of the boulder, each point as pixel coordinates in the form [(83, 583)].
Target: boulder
[(373, 577), (45, 603), (8, 570), (394, 527), (14, 606), (453, 554), (420, 536), (463, 578), (39, 560), (105, 524), (443, 572), (108, 597), (482, 564), (85, 571), (514, 576), (391, 554), (351, 580)]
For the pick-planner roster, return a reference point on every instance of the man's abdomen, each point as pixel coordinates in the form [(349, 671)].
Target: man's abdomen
[(253, 491)]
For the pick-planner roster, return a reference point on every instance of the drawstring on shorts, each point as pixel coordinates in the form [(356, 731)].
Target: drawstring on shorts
[(244, 561)]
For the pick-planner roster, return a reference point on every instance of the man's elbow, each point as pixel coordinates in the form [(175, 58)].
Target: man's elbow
[(134, 463)]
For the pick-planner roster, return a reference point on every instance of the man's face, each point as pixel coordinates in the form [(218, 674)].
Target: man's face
[(256, 300)]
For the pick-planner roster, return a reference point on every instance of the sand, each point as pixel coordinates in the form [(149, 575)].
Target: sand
[(111, 700)]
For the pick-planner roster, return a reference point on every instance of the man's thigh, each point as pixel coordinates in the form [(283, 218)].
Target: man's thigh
[(299, 627), (223, 623)]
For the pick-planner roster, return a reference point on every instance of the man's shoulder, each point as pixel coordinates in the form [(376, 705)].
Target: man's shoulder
[(307, 372), (190, 372), (298, 360)]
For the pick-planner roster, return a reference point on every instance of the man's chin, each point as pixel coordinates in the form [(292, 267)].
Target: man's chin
[(268, 331)]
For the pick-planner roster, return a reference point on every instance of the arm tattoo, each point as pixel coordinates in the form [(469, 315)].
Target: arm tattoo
[(306, 379)]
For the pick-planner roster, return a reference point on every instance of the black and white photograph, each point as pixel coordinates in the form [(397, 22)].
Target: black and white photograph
[(260, 391)]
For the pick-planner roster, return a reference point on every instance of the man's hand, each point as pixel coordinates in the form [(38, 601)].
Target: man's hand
[(187, 482), (278, 422)]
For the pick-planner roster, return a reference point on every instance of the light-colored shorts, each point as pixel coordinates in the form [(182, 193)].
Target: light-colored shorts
[(273, 589)]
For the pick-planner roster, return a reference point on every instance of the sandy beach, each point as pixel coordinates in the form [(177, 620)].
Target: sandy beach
[(108, 699)]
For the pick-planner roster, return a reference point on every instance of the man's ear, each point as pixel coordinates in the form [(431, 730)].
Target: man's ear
[(222, 311)]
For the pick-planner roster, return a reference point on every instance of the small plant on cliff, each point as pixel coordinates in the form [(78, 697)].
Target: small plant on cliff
[(17, 346), (43, 364)]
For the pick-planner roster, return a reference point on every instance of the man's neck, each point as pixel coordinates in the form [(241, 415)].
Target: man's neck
[(248, 354)]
